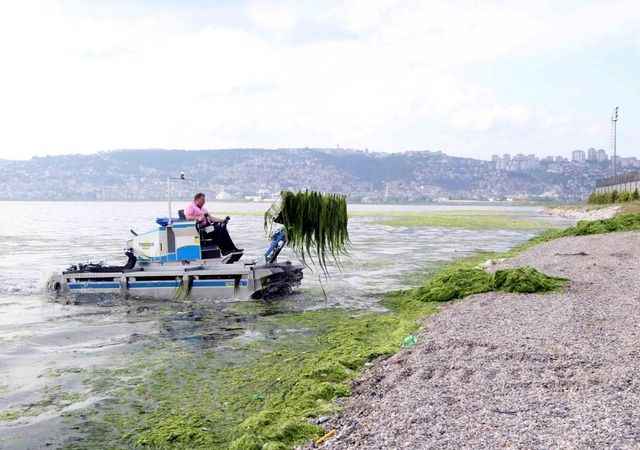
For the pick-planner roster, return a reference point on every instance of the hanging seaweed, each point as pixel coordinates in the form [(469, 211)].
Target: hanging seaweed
[(184, 288), (315, 224)]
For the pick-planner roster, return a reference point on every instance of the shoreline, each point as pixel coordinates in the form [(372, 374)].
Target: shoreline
[(279, 395), (584, 212), (280, 398), (164, 387), (455, 389)]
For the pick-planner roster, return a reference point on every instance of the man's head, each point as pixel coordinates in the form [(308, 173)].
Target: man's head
[(198, 199)]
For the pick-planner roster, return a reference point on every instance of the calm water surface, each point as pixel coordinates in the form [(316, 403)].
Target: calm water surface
[(46, 345)]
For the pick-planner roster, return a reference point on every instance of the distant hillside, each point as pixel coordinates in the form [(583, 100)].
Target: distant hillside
[(237, 173)]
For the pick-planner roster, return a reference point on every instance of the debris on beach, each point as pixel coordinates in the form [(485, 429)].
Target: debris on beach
[(409, 341)]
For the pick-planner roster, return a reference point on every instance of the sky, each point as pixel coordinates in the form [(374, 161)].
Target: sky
[(470, 78)]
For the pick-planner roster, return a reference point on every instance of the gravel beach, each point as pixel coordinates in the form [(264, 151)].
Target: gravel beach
[(499, 370)]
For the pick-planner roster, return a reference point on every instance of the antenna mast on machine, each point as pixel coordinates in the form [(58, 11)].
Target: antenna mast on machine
[(169, 192), (614, 123)]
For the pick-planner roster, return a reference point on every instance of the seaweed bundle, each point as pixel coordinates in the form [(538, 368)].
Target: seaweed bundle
[(526, 280), (458, 282), (315, 224)]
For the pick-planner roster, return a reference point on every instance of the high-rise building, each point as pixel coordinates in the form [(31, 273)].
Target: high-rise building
[(497, 162), (578, 156), (592, 154), (602, 155)]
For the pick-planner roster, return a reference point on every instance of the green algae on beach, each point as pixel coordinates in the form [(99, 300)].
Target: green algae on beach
[(454, 282), (463, 278), (618, 223), (525, 280)]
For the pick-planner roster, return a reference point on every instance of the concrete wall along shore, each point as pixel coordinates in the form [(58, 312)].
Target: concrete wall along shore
[(627, 182)]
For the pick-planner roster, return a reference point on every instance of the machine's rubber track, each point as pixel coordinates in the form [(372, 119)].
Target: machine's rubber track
[(280, 283)]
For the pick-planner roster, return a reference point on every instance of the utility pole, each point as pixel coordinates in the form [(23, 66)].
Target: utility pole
[(614, 122)]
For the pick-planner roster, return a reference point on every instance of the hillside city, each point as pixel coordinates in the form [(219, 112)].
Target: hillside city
[(260, 174)]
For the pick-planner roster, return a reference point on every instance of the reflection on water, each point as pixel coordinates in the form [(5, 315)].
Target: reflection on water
[(45, 346)]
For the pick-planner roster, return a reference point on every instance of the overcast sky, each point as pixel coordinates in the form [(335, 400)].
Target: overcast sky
[(470, 78)]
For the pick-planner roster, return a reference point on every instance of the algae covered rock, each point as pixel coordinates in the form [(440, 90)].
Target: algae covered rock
[(526, 280)]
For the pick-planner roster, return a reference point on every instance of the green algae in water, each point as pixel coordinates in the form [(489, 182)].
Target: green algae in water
[(54, 398), (465, 221), (265, 400)]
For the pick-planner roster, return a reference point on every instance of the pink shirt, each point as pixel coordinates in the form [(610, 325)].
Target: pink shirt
[(194, 212)]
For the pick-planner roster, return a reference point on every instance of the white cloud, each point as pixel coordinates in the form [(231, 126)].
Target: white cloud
[(272, 16), (73, 82)]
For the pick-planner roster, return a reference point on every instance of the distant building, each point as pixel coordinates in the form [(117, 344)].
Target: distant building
[(498, 163), (518, 163), (578, 156), (630, 162), (592, 154), (222, 195), (602, 155)]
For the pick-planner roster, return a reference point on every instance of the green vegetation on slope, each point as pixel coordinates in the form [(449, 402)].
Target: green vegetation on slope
[(621, 222), (613, 197)]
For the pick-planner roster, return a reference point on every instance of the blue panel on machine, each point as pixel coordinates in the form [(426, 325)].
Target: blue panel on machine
[(188, 253)]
